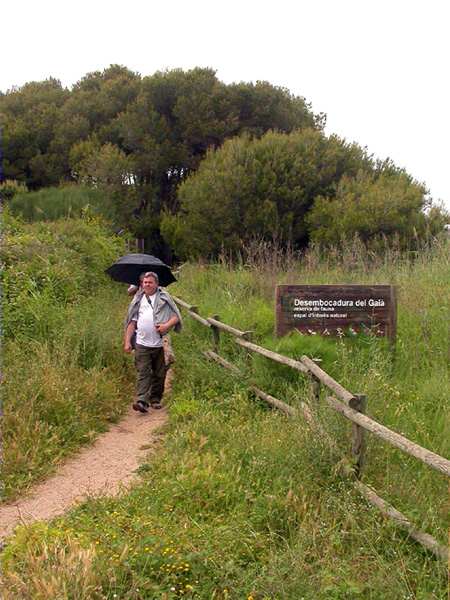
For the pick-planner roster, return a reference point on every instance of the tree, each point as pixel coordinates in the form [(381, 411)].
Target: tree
[(168, 127), (164, 124), (100, 97), (259, 188), (370, 206), (109, 169), (262, 106), (29, 116)]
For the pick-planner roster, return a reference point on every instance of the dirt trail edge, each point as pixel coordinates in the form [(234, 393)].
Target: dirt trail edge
[(103, 469)]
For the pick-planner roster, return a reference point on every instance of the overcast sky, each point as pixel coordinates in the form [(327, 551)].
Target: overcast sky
[(378, 69)]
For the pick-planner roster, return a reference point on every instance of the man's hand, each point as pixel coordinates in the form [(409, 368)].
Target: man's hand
[(162, 328), (128, 335)]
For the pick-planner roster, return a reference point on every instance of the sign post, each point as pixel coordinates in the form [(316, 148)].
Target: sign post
[(336, 310)]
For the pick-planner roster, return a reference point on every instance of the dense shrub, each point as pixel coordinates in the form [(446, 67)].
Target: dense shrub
[(371, 207), (64, 372), (265, 188), (10, 187), (50, 265), (51, 204)]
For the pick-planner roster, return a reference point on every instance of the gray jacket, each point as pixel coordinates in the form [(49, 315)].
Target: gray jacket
[(164, 308)]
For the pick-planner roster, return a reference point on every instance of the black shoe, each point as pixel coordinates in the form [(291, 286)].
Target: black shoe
[(156, 405), (140, 406)]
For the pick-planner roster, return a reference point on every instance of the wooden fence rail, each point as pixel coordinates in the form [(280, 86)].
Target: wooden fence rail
[(389, 511), (192, 311), (224, 327), (324, 378), (429, 458), (352, 408), (284, 360)]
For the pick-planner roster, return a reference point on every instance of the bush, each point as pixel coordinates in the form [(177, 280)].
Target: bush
[(64, 368), (259, 188), (11, 187), (53, 203), (50, 265), (370, 207)]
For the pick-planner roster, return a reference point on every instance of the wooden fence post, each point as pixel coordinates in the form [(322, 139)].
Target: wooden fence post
[(216, 334), (314, 387), (359, 403)]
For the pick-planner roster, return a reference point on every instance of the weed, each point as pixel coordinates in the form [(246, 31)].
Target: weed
[(243, 502)]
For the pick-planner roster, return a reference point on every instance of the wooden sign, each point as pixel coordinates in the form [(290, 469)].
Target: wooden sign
[(336, 310)]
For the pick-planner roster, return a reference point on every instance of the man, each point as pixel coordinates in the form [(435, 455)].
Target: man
[(151, 315)]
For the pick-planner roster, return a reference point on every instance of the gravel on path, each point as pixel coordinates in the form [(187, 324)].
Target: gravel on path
[(103, 469)]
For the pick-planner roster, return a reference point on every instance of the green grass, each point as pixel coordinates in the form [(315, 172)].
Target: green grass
[(65, 377), (59, 393), (242, 502), (50, 204)]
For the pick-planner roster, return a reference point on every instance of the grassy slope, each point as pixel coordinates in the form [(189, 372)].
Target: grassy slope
[(64, 373), (55, 203), (243, 502), (60, 393)]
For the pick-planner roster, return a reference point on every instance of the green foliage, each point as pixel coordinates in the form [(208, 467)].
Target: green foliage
[(10, 188), (51, 204), (259, 189), (64, 369), (42, 121), (370, 207), (109, 170), (136, 138), (51, 264), (29, 117), (242, 502)]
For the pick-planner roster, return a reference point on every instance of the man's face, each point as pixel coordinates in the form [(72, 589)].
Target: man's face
[(149, 285)]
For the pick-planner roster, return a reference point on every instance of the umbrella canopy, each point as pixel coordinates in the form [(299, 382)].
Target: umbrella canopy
[(128, 268)]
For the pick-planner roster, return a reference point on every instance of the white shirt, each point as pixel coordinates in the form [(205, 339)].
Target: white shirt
[(146, 332)]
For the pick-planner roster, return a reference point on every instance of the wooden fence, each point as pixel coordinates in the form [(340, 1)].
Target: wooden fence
[(351, 406)]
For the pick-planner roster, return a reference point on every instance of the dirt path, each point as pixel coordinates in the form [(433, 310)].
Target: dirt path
[(102, 469)]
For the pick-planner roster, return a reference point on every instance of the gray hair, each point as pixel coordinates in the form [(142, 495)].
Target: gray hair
[(149, 274)]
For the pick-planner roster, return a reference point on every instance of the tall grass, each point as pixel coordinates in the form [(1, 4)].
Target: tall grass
[(406, 390), (242, 502), (62, 390), (51, 204), (65, 376)]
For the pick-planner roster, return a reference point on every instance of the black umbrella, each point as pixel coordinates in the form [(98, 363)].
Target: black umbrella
[(128, 268)]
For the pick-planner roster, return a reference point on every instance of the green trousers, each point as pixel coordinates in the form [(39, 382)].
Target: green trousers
[(151, 373)]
